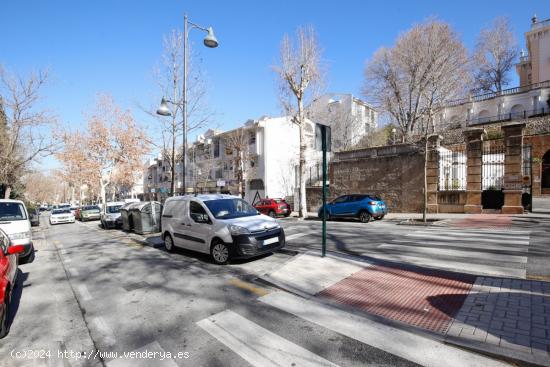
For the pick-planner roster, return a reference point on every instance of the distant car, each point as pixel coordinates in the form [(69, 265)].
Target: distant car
[(89, 212), (59, 216), (273, 207), (34, 215), (110, 215), (362, 206), (223, 226), (9, 255), (14, 221)]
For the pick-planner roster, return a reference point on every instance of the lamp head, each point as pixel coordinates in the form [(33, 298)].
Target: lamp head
[(210, 40), (163, 109)]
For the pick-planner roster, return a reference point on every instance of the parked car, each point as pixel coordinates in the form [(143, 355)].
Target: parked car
[(224, 226), (34, 217), (273, 207), (9, 255), (89, 212), (73, 210), (59, 216), (362, 206), (14, 221), (110, 215)]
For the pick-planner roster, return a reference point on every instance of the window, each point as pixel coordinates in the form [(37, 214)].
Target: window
[(216, 148), (252, 137), (12, 211), (341, 199), (197, 212)]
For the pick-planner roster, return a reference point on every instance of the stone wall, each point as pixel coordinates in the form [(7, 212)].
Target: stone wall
[(395, 173)]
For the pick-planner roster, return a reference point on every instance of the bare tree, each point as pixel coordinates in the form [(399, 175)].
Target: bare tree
[(24, 128), (300, 79), (427, 67), (237, 144), (40, 187), (494, 56), (169, 79)]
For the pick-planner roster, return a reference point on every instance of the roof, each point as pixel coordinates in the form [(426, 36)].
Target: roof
[(11, 201), (202, 197)]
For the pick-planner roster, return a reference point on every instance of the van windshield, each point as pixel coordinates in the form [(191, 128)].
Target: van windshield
[(114, 209), (230, 208), (12, 211)]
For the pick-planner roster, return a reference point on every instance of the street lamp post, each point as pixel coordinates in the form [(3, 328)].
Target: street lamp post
[(209, 41)]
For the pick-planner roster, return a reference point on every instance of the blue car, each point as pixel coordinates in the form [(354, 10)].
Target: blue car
[(361, 206)]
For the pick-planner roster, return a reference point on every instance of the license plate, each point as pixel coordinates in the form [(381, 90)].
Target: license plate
[(269, 241)]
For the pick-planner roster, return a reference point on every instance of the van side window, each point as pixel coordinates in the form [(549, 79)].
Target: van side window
[(197, 212)]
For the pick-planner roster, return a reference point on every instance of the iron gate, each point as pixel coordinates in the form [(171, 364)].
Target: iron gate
[(492, 174)]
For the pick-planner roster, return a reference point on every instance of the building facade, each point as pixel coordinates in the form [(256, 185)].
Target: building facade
[(530, 99)]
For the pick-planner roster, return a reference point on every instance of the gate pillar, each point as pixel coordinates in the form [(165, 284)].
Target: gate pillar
[(432, 172), (474, 144), (513, 179)]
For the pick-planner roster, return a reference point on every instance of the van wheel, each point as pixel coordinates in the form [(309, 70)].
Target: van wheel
[(364, 216), (219, 252), (168, 243)]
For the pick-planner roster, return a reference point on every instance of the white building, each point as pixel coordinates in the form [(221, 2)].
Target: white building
[(530, 99), (157, 179), (349, 118)]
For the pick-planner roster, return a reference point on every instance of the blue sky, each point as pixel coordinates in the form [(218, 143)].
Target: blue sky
[(113, 45)]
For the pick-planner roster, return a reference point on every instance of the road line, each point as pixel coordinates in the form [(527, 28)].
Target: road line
[(104, 330), (467, 245), (449, 264), (486, 233), (448, 237), (153, 348), (84, 293), (401, 343), (258, 346), (298, 235), (247, 286), (420, 251), (73, 272)]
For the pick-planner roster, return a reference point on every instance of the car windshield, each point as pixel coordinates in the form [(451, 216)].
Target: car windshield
[(91, 208), (114, 209), (12, 211), (61, 211), (230, 208)]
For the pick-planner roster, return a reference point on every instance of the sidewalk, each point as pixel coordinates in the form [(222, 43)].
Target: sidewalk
[(503, 317)]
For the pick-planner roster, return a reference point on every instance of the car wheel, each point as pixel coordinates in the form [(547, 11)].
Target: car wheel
[(364, 216), (4, 321), (327, 216), (168, 243), (219, 252), (271, 214)]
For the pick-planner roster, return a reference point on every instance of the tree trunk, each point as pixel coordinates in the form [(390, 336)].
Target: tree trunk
[(103, 191), (302, 160), (425, 206), (173, 165), (7, 192)]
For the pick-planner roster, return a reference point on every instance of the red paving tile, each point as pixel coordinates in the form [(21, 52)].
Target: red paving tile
[(427, 299), (499, 221)]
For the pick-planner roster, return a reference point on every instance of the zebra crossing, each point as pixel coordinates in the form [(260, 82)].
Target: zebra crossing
[(389, 346), (482, 252)]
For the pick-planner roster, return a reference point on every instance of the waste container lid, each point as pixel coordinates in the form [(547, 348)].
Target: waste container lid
[(142, 204)]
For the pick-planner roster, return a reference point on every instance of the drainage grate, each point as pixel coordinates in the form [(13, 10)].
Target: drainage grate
[(428, 299), (133, 286)]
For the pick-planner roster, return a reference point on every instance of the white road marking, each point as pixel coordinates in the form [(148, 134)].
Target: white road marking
[(153, 348), (522, 240), (258, 346), (101, 327), (449, 264), (66, 259), (84, 293), (74, 272), (298, 235), (420, 251), (406, 345), (467, 245)]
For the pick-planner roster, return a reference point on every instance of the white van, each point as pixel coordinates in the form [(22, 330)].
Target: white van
[(225, 226), (110, 214), (14, 220)]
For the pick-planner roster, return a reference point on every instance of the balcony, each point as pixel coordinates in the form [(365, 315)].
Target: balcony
[(541, 24)]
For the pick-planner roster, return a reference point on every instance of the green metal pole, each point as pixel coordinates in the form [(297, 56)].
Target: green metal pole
[(324, 147)]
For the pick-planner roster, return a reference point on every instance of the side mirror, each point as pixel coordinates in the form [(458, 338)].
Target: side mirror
[(17, 249)]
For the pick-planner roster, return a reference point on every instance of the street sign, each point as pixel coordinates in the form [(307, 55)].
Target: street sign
[(322, 142), (220, 183), (153, 190), (319, 137)]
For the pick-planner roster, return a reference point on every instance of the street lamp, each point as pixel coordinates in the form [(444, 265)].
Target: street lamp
[(393, 131), (163, 110)]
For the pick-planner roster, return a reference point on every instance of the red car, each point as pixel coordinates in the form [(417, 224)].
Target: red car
[(273, 207), (8, 272)]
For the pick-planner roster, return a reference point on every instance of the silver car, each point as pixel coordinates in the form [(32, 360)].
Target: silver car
[(224, 226)]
